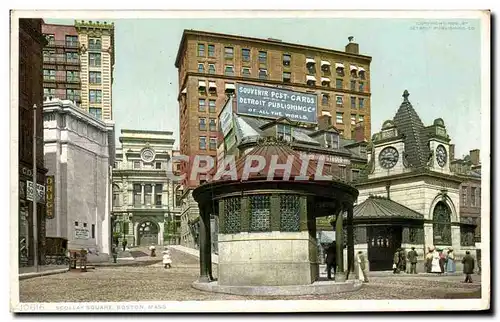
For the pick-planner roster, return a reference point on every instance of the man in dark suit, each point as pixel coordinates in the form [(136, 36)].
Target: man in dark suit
[(412, 258), (331, 260), (468, 262)]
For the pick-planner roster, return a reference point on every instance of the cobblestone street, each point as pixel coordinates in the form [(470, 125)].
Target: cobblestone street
[(154, 283)]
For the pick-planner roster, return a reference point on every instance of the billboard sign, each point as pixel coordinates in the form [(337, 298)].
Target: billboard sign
[(275, 103), (49, 205)]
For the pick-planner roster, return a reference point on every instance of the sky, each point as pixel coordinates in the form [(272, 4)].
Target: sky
[(441, 68)]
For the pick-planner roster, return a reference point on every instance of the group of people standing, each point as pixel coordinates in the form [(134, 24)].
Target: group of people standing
[(401, 258), (440, 261)]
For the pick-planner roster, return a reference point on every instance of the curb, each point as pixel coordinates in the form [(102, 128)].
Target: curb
[(131, 263), (25, 276)]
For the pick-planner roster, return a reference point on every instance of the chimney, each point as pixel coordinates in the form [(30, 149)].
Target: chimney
[(452, 152), (324, 122), (352, 47), (359, 132), (474, 157)]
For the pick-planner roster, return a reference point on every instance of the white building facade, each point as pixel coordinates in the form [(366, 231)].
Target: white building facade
[(146, 201), (77, 156)]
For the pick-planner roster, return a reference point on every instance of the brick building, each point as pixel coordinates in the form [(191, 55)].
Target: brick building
[(210, 64), (78, 65), (31, 43)]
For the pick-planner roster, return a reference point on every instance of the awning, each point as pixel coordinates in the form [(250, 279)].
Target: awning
[(361, 69), (184, 91), (326, 113), (310, 61), (310, 78), (230, 86), (324, 62), (353, 68), (202, 84), (212, 85), (325, 79), (339, 65)]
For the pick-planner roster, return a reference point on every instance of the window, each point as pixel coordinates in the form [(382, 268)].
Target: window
[(284, 132), (287, 58), (353, 119), (76, 223), (94, 59), (343, 172), (95, 77), (93, 231), (245, 54), (51, 39), (353, 85), (201, 68), (340, 71), (72, 41), (362, 74), (361, 86), (137, 164), (148, 194), (95, 44), (72, 76), (213, 143), (211, 68), (361, 118), (441, 226), (229, 88), (228, 52), (354, 74), (339, 118), (203, 124), (464, 196), (72, 57), (262, 57), (339, 100), (95, 96), (203, 142), (353, 102), (325, 83), (332, 140), (245, 71), (311, 69), (262, 74), (158, 193), (473, 196), (201, 105), (339, 83), (49, 92), (84, 225), (287, 77), (212, 125), (211, 106), (49, 74), (211, 50), (96, 112), (354, 174), (201, 50), (361, 102), (157, 165), (324, 99), (229, 70), (73, 94)]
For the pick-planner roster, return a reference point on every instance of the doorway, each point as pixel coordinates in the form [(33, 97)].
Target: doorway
[(382, 244), (148, 233)]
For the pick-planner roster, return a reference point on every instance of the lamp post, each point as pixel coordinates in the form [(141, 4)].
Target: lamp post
[(35, 216)]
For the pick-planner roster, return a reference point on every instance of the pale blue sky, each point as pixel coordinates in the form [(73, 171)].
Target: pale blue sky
[(440, 68)]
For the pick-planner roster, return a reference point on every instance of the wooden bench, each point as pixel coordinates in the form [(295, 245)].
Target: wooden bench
[(76, 256)]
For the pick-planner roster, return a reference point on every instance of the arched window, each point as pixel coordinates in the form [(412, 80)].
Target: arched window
[(442, 224)]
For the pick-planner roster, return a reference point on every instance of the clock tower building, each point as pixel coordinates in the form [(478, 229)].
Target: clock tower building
[(409, 197)]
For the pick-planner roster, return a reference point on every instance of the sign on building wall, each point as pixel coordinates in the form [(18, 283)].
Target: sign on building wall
[(40, 192), (226, 118), (334, 159), (49, 204), (81, 233), (275, 103)]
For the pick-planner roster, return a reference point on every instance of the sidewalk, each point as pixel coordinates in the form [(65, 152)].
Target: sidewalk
[(30, 272), (194, 252)]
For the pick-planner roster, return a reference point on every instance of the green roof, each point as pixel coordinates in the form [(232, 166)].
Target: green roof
[(380, 207)]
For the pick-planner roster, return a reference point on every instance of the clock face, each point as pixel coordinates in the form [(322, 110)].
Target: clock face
[(441, 155), (147, 155), (388, 157)]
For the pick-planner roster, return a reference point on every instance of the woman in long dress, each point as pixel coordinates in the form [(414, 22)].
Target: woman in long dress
[(450, 263), (435, 267), (167, 260)]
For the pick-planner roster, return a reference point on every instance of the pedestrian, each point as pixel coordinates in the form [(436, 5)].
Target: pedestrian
[(124, 244), (402, 260), (362, 267), (442, 260), (331, 260), (114, 251), (167, 260), (152, 249), (468, 262), (412, 258), (395, 263), (450, 261), (428, 260)]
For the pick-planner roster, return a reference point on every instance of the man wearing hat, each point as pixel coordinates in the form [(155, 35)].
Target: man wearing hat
[(412, 258)]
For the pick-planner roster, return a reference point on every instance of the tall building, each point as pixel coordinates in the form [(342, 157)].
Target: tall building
[(78, 159), (210, 64), (31, 43), (145, 200), (78, 65)]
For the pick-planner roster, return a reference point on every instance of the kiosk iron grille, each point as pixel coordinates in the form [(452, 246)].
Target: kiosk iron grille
[(232, 210), (260, 210), (290, 213)]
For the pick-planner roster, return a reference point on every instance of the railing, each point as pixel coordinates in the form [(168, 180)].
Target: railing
[(61, 60), (62, 79), (63, 43)]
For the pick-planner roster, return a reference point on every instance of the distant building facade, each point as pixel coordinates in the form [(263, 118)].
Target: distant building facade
[(78, 63), (146, 202), (78, 158)]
